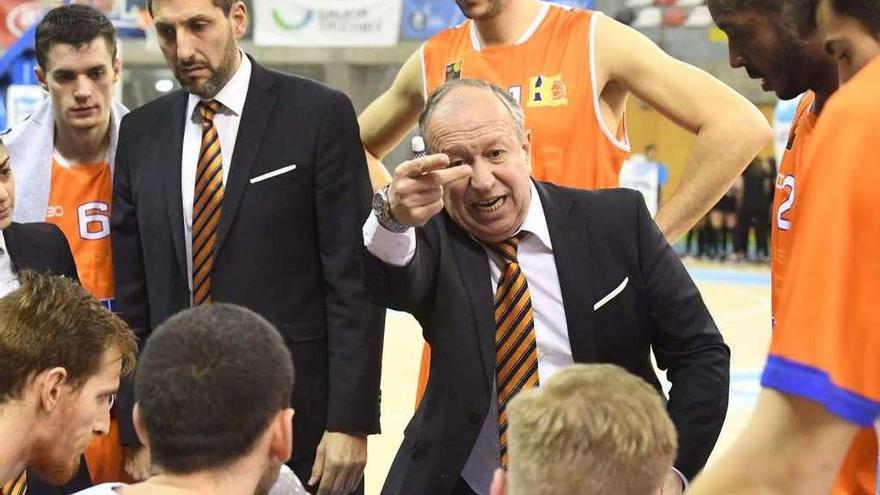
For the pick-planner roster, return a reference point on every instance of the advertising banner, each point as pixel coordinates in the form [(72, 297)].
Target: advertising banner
[(332, 23)]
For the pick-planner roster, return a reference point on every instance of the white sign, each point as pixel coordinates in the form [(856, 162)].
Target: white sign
[(21, 101), (327, 22)]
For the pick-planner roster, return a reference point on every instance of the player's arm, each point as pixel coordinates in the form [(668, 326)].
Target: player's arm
[(730, 130), (790, 445), (388, 119)]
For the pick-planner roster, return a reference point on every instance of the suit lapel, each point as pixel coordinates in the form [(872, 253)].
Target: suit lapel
[(10, 235), (255, 116), (170, 158), (474, 272), (571, 249)]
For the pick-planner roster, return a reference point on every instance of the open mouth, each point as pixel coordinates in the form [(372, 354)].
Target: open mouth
[(489, 205)]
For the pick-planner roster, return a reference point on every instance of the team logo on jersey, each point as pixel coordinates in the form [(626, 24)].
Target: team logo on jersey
[(453, 70), (547, 91)]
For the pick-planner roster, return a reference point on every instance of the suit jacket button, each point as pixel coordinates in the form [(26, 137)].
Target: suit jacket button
[(475, 418)]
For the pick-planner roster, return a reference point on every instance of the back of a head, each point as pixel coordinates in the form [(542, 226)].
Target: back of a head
[(210, 381), (73, 24), (589, 430), (51, 321)]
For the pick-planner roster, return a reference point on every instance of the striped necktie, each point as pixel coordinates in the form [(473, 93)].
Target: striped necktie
[(207, 203), (18, 486), (516, 356)]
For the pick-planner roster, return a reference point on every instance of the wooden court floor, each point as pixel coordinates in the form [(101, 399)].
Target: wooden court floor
[(737, 296)]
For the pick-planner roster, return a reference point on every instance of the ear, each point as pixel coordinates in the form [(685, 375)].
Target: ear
[(117, 69), (239, 17), (50, 383), (139, 427), (41, 76), (499, 483), (527, 147), (282, 435)]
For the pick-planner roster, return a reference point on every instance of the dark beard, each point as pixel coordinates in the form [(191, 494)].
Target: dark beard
[(219, 77)]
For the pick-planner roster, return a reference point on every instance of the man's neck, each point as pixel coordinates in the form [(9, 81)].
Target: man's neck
[(239, 479), (509, 25), (83, 146), (14, 431)]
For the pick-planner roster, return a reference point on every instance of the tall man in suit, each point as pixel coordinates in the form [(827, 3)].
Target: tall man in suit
[(577, 276), (250, 187)]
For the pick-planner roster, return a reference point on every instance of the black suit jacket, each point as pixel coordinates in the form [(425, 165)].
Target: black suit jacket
[(599, 238), (290, 247), (42, 247)]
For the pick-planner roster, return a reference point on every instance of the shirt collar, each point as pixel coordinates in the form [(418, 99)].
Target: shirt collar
[(536, 222), (232, 96), (4, 251)]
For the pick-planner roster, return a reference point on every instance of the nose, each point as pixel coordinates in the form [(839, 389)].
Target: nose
[(185, 46), (102, 422), (483, 178), (83, 89), (735, 59)]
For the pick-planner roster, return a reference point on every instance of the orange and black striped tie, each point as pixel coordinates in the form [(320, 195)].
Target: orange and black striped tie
[(516, 352), (18, 486), (207, 203)]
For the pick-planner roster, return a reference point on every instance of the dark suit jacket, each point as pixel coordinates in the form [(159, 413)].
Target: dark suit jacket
[(42, 247), (289, 248), (599, 238)]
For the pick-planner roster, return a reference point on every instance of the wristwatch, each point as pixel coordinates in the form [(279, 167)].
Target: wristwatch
[(382, 210)]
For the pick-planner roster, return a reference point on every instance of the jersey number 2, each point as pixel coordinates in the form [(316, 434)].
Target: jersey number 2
[(781, 221), (94, 220)]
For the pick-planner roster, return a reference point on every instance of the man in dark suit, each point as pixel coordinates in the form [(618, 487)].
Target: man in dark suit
[(577, 276), (250, 187), (38, 247)]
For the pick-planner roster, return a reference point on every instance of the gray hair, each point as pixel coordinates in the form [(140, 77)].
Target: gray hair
[(512, 106)]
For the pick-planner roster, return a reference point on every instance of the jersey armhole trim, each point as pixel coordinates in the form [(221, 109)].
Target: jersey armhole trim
[(623, 145), (424, 72)]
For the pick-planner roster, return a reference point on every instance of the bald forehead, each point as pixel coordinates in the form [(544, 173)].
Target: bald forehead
[(468, 99)]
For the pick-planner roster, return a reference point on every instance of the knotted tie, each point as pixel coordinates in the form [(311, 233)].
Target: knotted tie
[(516, 356), (207, 203)]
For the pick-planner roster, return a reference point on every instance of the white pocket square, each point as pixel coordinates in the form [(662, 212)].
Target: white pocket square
[(274, 173), (611, 295)]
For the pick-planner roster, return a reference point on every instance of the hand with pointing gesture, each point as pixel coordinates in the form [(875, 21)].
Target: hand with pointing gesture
[(416, 192)]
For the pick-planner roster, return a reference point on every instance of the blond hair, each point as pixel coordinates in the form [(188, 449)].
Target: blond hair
[(590, 429), (51, 321)]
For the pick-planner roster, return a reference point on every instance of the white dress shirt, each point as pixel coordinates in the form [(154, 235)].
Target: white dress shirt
[(8, 278), (535, 257), (226, 121)]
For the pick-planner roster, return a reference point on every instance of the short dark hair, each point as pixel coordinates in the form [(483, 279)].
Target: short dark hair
[(51, 321), (209, 382), (225, 5), (733, 6), (803, 13), (76, 25)]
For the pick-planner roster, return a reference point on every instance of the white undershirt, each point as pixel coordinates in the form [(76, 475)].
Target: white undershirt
[(8, 278), (227, 120)]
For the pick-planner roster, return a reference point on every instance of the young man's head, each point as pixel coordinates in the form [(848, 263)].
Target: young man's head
[(213, 390), (589, 430), (7, 188), (199, 39), (62, 358), (848, 30), (77, 65), (651, 152), (761, 40)]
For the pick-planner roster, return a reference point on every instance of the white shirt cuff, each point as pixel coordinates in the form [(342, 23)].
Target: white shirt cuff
[(392, 248)]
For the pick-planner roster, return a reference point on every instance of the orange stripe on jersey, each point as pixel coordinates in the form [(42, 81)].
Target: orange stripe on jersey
[(79, 204), (827, 335), (784, 198), (550, 74)]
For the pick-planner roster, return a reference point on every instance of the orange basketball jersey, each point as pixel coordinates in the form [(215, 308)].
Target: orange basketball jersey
[(79, 204), (827, 336), (550, 71), (784, 196)]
